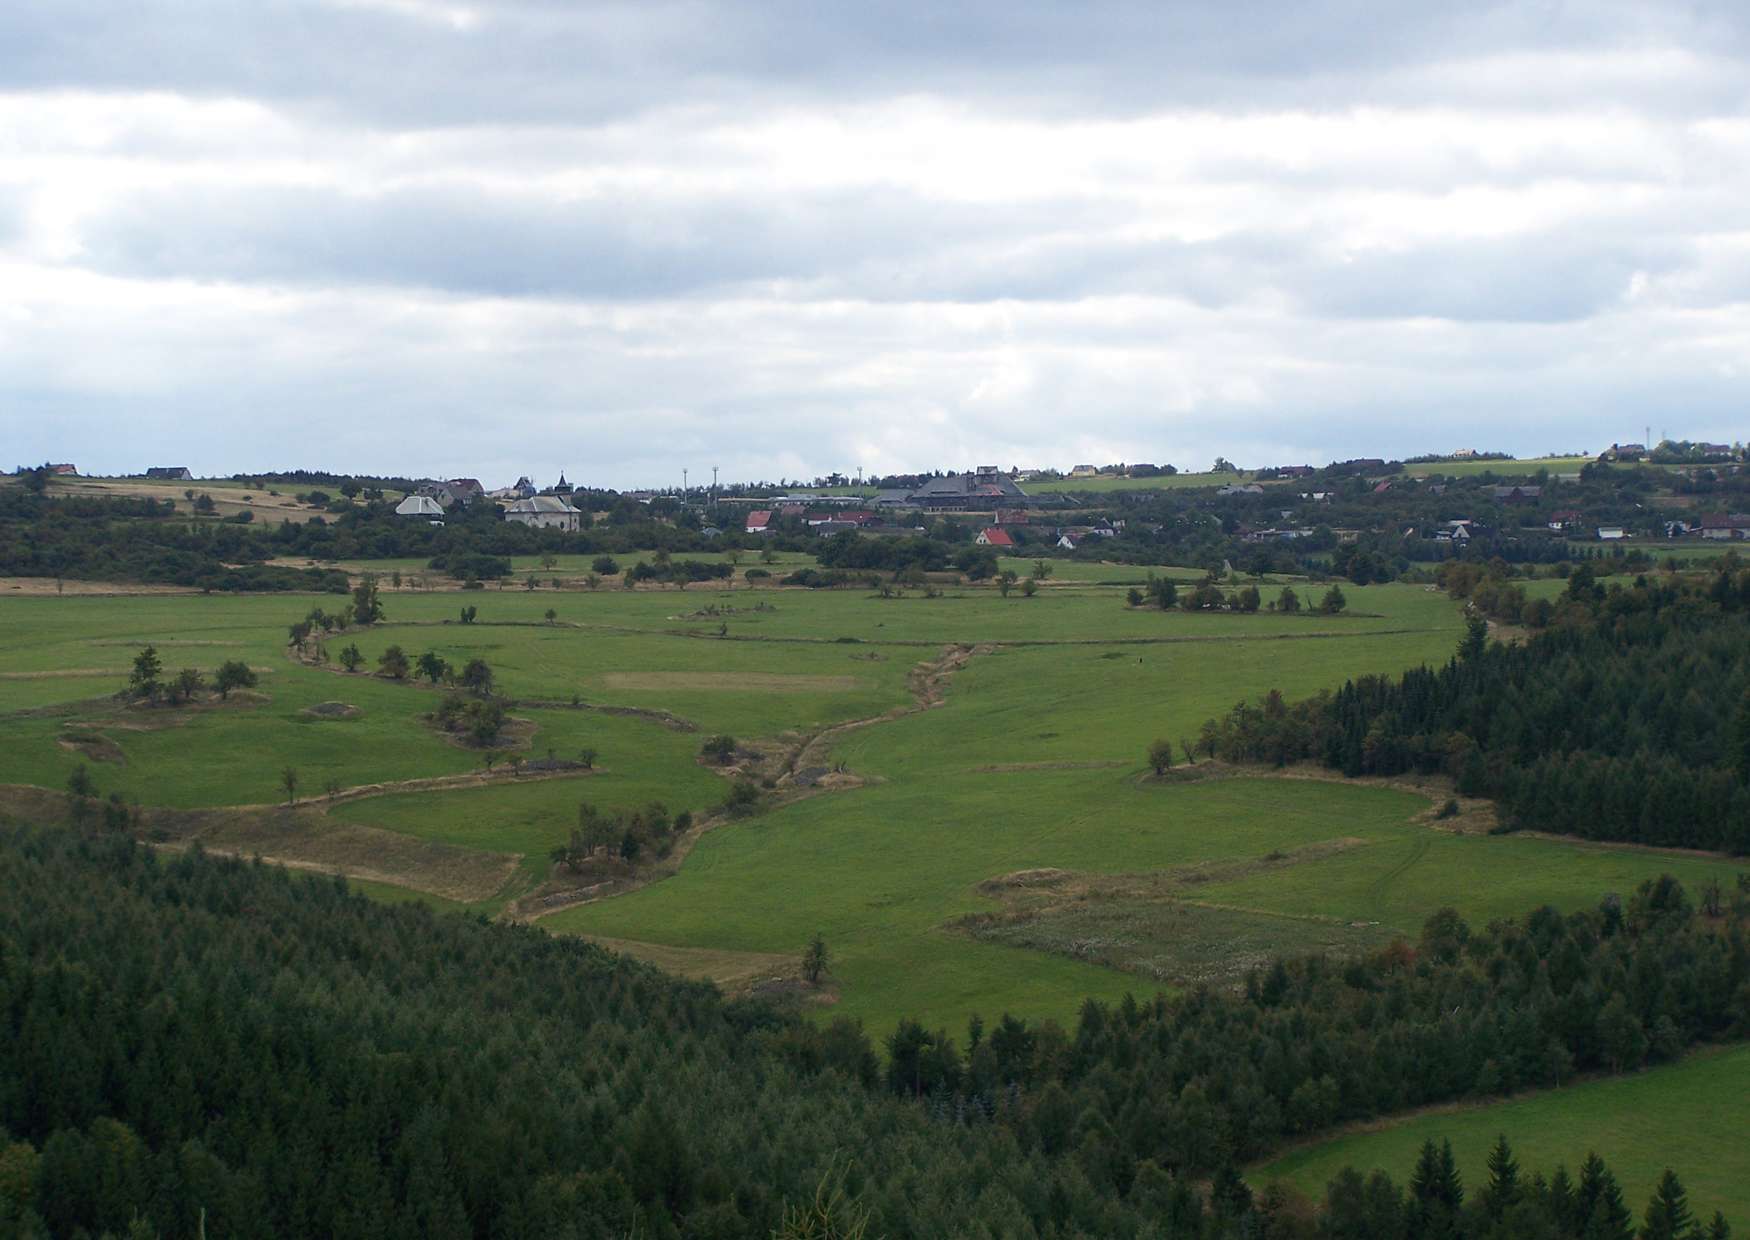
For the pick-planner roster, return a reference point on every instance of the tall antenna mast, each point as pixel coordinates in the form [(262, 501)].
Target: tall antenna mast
[(683, 481)]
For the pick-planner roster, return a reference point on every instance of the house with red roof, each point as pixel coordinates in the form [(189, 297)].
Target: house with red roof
[(994, 537), (759, 522)]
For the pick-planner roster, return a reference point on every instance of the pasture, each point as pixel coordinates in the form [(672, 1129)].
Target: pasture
[(1671, 1116), (1028, 756)]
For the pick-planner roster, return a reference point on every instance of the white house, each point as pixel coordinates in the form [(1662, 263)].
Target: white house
[(420, 506), (1611, 533), (545, 512)]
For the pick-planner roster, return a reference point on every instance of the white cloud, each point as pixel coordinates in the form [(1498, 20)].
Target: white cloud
[(784, 268)]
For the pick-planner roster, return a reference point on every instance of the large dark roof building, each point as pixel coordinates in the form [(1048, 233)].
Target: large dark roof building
[(985, 488)]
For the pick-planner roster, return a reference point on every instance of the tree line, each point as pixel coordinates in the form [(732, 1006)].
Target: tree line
[(191, 1042), (1626, 718)]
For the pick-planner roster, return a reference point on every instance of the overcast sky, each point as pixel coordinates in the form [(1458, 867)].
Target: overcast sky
[(514, 236)]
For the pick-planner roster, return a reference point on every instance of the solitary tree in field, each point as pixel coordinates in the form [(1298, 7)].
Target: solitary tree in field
[(289, 781), (1029, 588), (432, 666), (352, 658), (1041, 569), (366, 607), (548, 561), (80, 789), (1333, 602), (236, 674), (393, 663), (531, 582), (593, 581), (1160, 756), (586, 758), (476, 677), (815, 960), (552, 615), (1006, 582), (143, 680), (1288, 600)]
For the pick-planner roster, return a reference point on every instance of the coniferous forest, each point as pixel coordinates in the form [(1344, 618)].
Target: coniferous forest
[(1628, 718), (191, 1042)]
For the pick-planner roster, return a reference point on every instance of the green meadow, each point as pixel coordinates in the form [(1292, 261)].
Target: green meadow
[(1027, 756), (1681, 1115), (1105, 483)]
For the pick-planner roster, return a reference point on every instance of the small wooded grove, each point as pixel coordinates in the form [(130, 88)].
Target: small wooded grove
[(188, 1041), (1628, 718)]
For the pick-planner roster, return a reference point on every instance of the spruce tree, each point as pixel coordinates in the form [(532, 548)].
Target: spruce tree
[(1668, 1216), (1503, 1189)]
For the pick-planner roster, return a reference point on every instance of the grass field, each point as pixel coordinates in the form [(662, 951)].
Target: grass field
[(229, 498), (1106, 485), (1686, 1115), (923, 880), (1033, 758), (1506, 469)]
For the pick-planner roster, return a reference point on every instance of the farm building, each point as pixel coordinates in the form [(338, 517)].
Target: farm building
[(759, 522), (169, 473), (1734, 525), (994, 537), (545, 512), (419, 506), (987, 488), (64, 470)]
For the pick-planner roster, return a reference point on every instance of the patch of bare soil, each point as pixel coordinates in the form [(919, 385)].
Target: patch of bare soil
[(92, 746), (736, 972), (1150, 923), (332, 710), (43, 586)]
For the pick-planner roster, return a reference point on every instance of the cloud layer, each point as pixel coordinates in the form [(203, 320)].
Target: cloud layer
[(496, 238)]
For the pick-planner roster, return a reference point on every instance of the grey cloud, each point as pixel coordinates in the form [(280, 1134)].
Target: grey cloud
[(529, 60), (1522, 279)]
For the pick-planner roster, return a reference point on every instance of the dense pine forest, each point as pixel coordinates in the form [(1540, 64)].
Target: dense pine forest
[(1626, 718), (189, 1042)]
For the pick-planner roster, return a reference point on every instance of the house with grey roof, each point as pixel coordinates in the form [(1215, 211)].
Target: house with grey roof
[(545, 512)]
